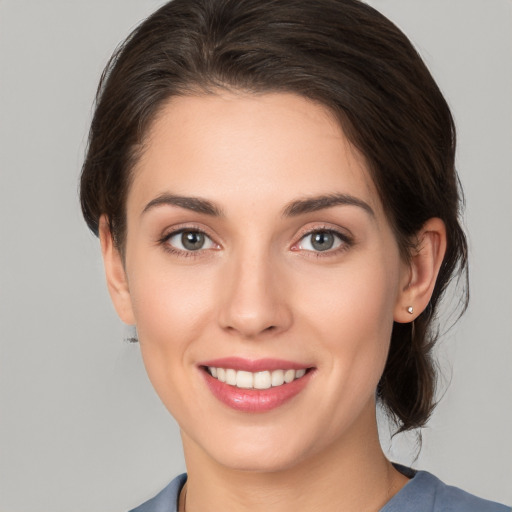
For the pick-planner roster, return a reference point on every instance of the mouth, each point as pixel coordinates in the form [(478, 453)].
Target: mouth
[(255, 386), (266, 379)]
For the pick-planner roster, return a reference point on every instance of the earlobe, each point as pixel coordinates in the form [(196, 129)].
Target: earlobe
[(115, 274), (423, 270)]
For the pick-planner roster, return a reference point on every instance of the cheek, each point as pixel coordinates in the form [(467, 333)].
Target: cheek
[(351, 310), (172, 308), (354, 320), (354, 296), (166, 297)]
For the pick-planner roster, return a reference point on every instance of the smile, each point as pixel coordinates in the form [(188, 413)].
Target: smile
[(255, 386), (255, 380)]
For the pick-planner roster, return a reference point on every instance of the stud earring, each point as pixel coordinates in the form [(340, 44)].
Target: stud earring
[(410, 310)]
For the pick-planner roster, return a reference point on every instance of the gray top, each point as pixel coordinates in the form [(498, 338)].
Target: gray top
[(423, 493)]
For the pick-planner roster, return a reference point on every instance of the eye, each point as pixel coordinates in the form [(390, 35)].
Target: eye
[(190, 240), (321, 241)]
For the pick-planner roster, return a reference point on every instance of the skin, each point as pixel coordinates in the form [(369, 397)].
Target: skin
[(258, 289)]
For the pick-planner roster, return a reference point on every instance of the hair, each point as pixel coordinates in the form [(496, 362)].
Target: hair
[(342, 54)]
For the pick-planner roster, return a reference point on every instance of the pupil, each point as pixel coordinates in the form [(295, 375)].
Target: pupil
[(192, 240), (322, 241)]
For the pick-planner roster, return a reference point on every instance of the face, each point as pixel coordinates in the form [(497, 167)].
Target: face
[(258, 252)]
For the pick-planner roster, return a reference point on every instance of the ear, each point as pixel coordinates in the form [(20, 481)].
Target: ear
[(115, 273), (423, 268)]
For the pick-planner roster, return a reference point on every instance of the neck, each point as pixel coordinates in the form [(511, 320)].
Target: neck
[(351, 475)]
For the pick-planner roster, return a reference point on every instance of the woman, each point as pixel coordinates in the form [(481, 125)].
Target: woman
[(273, 186)]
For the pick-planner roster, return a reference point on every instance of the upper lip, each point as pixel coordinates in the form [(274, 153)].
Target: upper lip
[(254, 365)]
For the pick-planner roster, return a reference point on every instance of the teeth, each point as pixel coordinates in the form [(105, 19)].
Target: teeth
[(259, 380), (243, 379), (231, 377), (262, 380), (278, 378), (289, 376)]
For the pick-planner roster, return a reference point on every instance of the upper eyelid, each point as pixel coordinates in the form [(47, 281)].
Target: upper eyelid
[(342, 233), (343, 239), (172, 234), (176, 230)]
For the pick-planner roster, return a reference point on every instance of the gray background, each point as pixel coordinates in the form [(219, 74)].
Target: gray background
[(80, 427)]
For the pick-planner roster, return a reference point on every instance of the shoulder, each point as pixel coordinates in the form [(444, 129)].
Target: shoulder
[(426, 493), (166, 500), (423, 493)]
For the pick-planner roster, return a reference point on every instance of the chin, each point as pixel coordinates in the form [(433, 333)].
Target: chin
[(261, 463), (257, 450)]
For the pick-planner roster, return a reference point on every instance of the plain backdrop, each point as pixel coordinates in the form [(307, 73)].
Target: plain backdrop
[(80, 426)]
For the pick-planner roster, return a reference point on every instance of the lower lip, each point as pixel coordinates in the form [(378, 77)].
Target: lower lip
[(255, 400)]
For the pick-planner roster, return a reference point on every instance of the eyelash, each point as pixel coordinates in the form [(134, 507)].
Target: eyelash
[(164, 242), (345, 242)]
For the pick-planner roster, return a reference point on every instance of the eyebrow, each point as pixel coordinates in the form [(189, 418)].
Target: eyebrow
[(295, 208), (195, 204), (313, 204)]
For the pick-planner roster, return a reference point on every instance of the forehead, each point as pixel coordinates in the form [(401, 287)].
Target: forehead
[(248, 146)]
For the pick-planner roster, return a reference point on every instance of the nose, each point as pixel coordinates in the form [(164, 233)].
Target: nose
[(254, 301)]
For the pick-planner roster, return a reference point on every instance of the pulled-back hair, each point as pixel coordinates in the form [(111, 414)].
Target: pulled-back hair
[(340, 53)]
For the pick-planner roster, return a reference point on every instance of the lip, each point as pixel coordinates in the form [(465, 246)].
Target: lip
[(257, 365), (255, 400)]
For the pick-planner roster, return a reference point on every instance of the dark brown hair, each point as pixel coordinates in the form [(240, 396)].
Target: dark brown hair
[(340, 53)]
